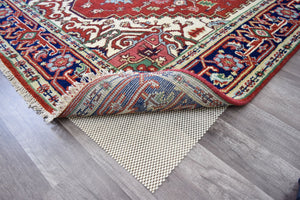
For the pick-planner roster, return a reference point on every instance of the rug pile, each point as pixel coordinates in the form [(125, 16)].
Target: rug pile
[(81, 58)]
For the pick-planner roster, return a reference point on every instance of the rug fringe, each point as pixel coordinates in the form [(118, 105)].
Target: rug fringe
[(30, 101), (64, 100)]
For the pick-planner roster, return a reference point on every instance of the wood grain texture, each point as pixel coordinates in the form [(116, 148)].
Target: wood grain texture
[(202, 175), (19, 177), (251, 152), (266, 170)]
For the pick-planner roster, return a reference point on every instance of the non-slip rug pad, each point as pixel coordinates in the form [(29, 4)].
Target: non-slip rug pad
[(149, 145)]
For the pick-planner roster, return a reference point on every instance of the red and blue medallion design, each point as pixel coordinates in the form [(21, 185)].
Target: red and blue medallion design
[(70, 54)]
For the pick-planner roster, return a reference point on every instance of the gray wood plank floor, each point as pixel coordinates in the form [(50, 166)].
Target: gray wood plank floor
[(251, 152)]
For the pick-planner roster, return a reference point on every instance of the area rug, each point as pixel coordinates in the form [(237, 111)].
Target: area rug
[(81, 58)]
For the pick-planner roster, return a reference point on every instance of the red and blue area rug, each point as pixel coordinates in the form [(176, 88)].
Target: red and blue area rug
[(99, 57)]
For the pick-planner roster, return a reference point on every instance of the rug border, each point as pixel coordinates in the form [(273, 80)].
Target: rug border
[(33, 101), (241, 102)]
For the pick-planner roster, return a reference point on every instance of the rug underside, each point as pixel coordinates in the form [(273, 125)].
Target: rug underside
[(149, 145)]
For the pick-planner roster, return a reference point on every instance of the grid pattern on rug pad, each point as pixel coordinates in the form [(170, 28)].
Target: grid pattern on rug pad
[(149, 145)]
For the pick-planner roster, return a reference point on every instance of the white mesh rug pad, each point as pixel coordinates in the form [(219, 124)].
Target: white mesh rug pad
[(149, 145)]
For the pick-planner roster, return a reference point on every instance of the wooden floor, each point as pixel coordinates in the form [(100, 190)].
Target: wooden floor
[(251, 152)]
